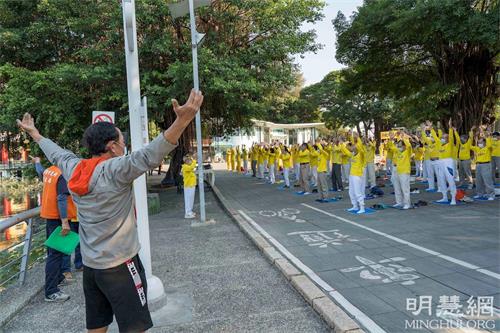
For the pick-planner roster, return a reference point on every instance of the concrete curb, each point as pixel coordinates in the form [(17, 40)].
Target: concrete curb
[(332, 314), (15, 297)]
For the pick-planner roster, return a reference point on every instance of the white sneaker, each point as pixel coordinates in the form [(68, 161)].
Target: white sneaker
[(453, 203), (397, 206), (406, 207), (57, 297), (189, 216), (443, 200), (353, 209), (477, 197), (361, 211), (491, 199), (306, 193)]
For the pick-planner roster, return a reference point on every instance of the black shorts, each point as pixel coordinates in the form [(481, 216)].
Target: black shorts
[(120, 291)]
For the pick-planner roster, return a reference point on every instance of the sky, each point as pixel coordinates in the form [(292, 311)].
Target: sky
[(316, 66)]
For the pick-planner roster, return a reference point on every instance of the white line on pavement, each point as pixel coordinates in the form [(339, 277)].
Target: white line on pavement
[(415, 246), (348, 306)]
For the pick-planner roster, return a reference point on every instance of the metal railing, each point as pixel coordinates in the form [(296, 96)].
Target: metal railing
[(23, 260)]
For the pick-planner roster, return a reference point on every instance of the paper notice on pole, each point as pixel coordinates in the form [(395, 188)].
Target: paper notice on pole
[(103, 116)]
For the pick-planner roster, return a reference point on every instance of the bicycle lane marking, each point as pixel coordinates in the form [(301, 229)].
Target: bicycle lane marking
[(368, 323), (412, 245)]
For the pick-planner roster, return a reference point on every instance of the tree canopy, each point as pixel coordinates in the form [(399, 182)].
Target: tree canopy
[(436, 59), (59, 60)]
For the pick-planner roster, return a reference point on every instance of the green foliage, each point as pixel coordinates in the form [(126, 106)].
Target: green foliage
[(435, 58), (65, 58)]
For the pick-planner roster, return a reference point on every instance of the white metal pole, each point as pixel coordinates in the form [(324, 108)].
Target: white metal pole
[(194, 47), (155, 286)]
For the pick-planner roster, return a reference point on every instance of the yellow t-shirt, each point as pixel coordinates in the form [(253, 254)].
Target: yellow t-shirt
[(445, 150), (482, 155), (357, 161), (286, 158), (304, 156), (431, 150), (188, 174), (402, 159), (337, 154), (495, 147), (271, 157), (313, 157), (324, 156), (370, 152), (464, 148), (419, 154)]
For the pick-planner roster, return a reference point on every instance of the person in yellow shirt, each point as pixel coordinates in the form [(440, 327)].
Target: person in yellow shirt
[(401, 153), (445, 146), (286, 157), (431, 157), (484, 182), (370, 146), (233, 159), (324, 157), (244, 157), (313, 162), (255, 158), (418, 156), (238, 159), (296, 163), (388, 159), (346, 165), (188, 173), (464, 143), (337, 184), (272, 165), (304, 159), (495, 155), (356, 152), (261, 161), (229, 152)]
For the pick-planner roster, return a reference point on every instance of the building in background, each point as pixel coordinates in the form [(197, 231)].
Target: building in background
[(267, 132)]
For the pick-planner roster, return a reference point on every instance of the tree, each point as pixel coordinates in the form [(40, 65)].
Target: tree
[(436, 58), (62, 59)]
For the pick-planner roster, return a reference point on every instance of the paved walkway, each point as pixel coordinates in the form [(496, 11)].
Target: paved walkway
[(216, 281), (373, 264)]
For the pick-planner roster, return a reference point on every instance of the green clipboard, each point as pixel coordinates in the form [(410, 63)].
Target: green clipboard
[(65, 244)]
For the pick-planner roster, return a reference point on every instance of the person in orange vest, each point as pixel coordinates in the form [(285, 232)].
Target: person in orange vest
[(57, 209)]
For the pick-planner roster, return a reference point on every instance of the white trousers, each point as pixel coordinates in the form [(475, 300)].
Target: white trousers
[(261, 170), (388, 166), (286, 175), (346, 170), (328, 167), (272, 177), (401, 183), (357, 191), (370, 174), (418, 168), (314, 175), (245, 166), (429, 168), (189, 193), (296, 170), (446, 177)]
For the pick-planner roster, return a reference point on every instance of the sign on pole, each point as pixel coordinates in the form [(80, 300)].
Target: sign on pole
[(103, 116)]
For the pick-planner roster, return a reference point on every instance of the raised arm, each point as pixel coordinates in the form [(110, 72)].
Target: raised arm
[(64, 159)]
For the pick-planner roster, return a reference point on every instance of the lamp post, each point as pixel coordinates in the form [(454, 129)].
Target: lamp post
[(176, 10), (138, 129)]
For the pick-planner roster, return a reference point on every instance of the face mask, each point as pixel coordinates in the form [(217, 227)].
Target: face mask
[(443, 141), (480, 145)]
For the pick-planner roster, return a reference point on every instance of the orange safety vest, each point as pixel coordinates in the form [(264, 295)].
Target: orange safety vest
[(49, 209)]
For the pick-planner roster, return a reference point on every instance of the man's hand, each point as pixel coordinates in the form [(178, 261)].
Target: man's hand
[(28, 125), (187, 112), (185, 115), (65, 227)]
